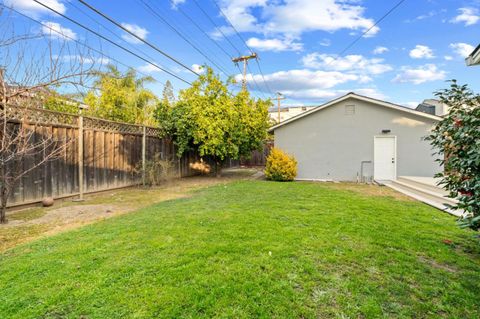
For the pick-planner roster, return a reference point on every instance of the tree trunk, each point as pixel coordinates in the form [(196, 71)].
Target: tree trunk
[(3, 205), (218, 169)]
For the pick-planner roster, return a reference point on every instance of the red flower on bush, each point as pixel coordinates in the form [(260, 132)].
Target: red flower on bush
[(464, 192)]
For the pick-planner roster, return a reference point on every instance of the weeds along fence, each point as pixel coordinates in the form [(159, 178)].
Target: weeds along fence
[(98, 154)]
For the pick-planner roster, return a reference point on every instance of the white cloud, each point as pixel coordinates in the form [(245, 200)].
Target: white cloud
[(353, 63), (462, 49), (370, 92), (427, 15), (421, 52), (322, 94), (304, 84), (175, 3), (325, 42), (469, 16), (55, 30), (137, 30), (302, 79), (83, 59), (198, 68), (411, 105), (421, 74), (297, 16), (293, 17), (448, 58), (33, 9), (380, 50), (274, 44), (148, 68)]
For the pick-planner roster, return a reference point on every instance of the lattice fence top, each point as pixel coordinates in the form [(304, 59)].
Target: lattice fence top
[(104, 125), (40, 116), (47, 117), (152, 131)]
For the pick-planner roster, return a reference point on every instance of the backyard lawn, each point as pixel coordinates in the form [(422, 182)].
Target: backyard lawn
[(253, 249)]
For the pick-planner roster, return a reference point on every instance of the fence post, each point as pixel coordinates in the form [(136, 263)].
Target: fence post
[(80, 157), (144, 149)]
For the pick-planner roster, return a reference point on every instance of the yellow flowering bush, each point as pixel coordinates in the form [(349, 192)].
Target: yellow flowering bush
[(280, 166)]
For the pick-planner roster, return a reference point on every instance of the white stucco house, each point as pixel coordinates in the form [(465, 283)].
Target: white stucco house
[(287, 112), (358, 138), (474, 57)]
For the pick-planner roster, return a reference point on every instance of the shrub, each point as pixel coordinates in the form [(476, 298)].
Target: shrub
[(280, 166), (157, 170), (456, 139)]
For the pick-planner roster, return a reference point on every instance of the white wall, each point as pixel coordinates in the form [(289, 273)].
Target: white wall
[(329, 144)]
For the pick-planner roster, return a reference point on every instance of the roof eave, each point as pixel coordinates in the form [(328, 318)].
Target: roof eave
[(359, 97)]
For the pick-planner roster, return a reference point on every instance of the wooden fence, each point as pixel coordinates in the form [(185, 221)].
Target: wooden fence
[(98, 155)]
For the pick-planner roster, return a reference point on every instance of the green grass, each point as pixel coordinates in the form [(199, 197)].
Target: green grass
[(252, 249)]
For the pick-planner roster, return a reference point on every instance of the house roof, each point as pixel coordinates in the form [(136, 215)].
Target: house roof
[(474, 57), (361, 98)]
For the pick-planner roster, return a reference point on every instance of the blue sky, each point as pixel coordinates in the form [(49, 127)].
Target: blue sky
[(404, 60)]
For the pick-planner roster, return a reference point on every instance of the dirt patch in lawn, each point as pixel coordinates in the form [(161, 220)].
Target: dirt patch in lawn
[(32, 223), (372, 190), (435, 264)]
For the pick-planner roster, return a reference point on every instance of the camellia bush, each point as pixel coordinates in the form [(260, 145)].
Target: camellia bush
[(456, 139), (280, 166)]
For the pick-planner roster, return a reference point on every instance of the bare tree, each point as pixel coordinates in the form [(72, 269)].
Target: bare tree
[(33, 64)]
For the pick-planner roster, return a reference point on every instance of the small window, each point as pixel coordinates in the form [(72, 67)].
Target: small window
[(349, 109)]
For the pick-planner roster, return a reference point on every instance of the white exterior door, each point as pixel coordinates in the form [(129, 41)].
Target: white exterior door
[(385, 158)]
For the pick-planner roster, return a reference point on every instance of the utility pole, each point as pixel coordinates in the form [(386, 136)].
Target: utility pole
[(244, 59), (279, 98)]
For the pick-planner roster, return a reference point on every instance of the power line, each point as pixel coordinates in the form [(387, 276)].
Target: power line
[(136, 36), (255, 81), (231, 24), (80, 43), (351, 44), (263, 77), (201, 30), (112, 42), (207, 36), (216, 27), (109, 30), (182, 36), (246, 45), (75, 40), (224, 36)]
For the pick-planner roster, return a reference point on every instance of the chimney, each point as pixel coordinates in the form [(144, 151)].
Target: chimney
[(440, 108)]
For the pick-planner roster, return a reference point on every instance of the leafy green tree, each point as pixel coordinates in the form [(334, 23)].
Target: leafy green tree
[(208, 119), (55, 102), (122, 97), (457, 138), (251, 123)]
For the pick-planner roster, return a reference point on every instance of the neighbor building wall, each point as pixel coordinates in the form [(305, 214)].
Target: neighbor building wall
[(332, 143)]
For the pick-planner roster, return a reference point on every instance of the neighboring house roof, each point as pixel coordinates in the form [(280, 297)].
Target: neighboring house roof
[(426, 108), (474, 57), (361, 98), (274, 109)]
